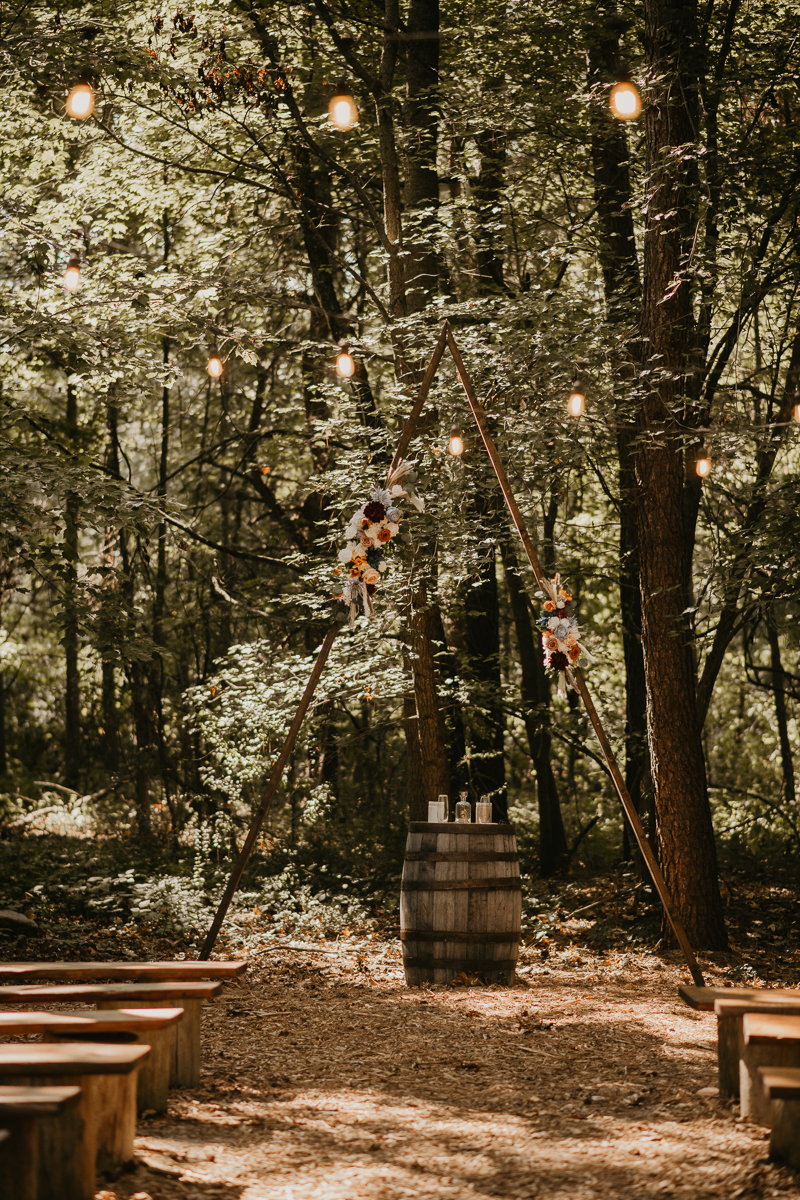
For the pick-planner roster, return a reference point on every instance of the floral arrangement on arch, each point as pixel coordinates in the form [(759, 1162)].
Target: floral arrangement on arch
[(369, 532), (561, 635)]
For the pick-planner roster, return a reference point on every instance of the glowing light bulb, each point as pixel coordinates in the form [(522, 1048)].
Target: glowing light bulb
[(72, 275), (342, 112), (576, 404), (456, 443), (796, 413), (345, 364), (215, 367), (625, 101), (80, 102), (703, 467)]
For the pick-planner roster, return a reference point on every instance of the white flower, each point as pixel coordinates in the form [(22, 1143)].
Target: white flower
[(561, 630), (383, 496), (393, 514), (397, 490), (351, 533), (552, 623), (393, 528), (383, 566), (348, 552)]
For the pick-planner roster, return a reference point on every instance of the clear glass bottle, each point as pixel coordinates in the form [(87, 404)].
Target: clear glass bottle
[(444, 808), (483, 811), (463, 808)]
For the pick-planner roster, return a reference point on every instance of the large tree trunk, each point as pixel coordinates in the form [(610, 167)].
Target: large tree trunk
[(685, 833), (422, 181), (487, 719)]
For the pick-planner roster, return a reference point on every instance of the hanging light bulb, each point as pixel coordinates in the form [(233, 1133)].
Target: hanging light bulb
[(80, 102), (576, 404), (703, 466), (215, 367), (342, 111), (456, 444), (625, 101), (72, 275), (796, 413), (345, 363)]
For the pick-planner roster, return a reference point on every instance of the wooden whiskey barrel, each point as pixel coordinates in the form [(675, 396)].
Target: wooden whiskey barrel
[(460, 903)]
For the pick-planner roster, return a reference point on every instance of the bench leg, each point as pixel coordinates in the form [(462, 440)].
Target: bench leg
[(116, 1120), (153, 1084), (185, 1067), (754, 1105), (67, 1146), (729, 1050), (784, 1142), (19, 1158)]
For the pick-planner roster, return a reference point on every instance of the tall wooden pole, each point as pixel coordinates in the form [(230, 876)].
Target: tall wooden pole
[(577, 679)]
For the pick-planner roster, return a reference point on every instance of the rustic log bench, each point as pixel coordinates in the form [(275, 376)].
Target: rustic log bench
[(153, 1027), (21, 1109), (185, 1068), (122, 972), (704, 998), (106, 1109), (770, 1040), (730, 1041), (782, 1086)]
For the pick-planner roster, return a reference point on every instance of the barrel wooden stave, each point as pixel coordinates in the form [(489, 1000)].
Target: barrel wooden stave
[(463, 924)]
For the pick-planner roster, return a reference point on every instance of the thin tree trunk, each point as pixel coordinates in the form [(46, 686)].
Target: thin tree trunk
[(685, 833), (487, 720), (73, 756), (422, 181), (779, 691), (535, 695)]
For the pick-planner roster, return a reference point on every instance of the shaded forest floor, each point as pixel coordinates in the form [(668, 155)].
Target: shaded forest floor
[(326, 1078)]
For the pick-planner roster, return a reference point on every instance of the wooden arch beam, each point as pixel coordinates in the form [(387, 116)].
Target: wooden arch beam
[(575, 676)]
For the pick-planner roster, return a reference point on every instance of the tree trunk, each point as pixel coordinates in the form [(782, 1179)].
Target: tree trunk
[(487, 720), (73, 757), (535, 694), (779, 690), (422, 181), (685, 833)]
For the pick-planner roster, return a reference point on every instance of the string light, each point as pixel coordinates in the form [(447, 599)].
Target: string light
[(72, 275), (796, 413), (215, 367), (342, 111), (624, 101), (80, 102), (345, 363), (576, 404), (456, 444), (703, 466)]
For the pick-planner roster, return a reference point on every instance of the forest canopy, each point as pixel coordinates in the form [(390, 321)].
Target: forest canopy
[(171, 534)]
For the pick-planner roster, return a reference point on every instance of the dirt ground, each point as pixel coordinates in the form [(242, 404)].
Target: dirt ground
[(326, 1078)]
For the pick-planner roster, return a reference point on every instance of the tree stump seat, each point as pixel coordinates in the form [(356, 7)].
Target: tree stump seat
[(122, 972), (188, 994), (769, 1040), (153, 1027), (21, 1109), (781, 1085), (730, 1040), (100, 1128)]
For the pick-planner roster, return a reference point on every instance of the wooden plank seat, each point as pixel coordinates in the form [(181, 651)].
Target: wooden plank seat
[(770, 1040), (704, 998), (188, 995), (21, 1109), (104, 1120), (781, 1085), (730, 1042), (153, 1027), (121, 972)]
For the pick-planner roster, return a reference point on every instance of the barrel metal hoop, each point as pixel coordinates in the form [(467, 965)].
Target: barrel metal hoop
[(478, 966), (462, 856), (502, 883), (433, 935)]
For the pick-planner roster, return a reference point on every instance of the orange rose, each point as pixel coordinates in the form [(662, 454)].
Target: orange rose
[(384, 534), (355, 573), (549, 606), (574, 652)]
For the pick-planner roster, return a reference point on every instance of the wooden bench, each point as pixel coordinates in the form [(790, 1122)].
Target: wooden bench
[(782, 1086), (730, 1041), (770, 1040), (704, 998), (188, 995), (106, 1109), (153, 1027), (21, 1109), (123, 972)]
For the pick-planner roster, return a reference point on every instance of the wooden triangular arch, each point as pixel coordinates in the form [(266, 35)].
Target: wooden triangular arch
[(574, 674)]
